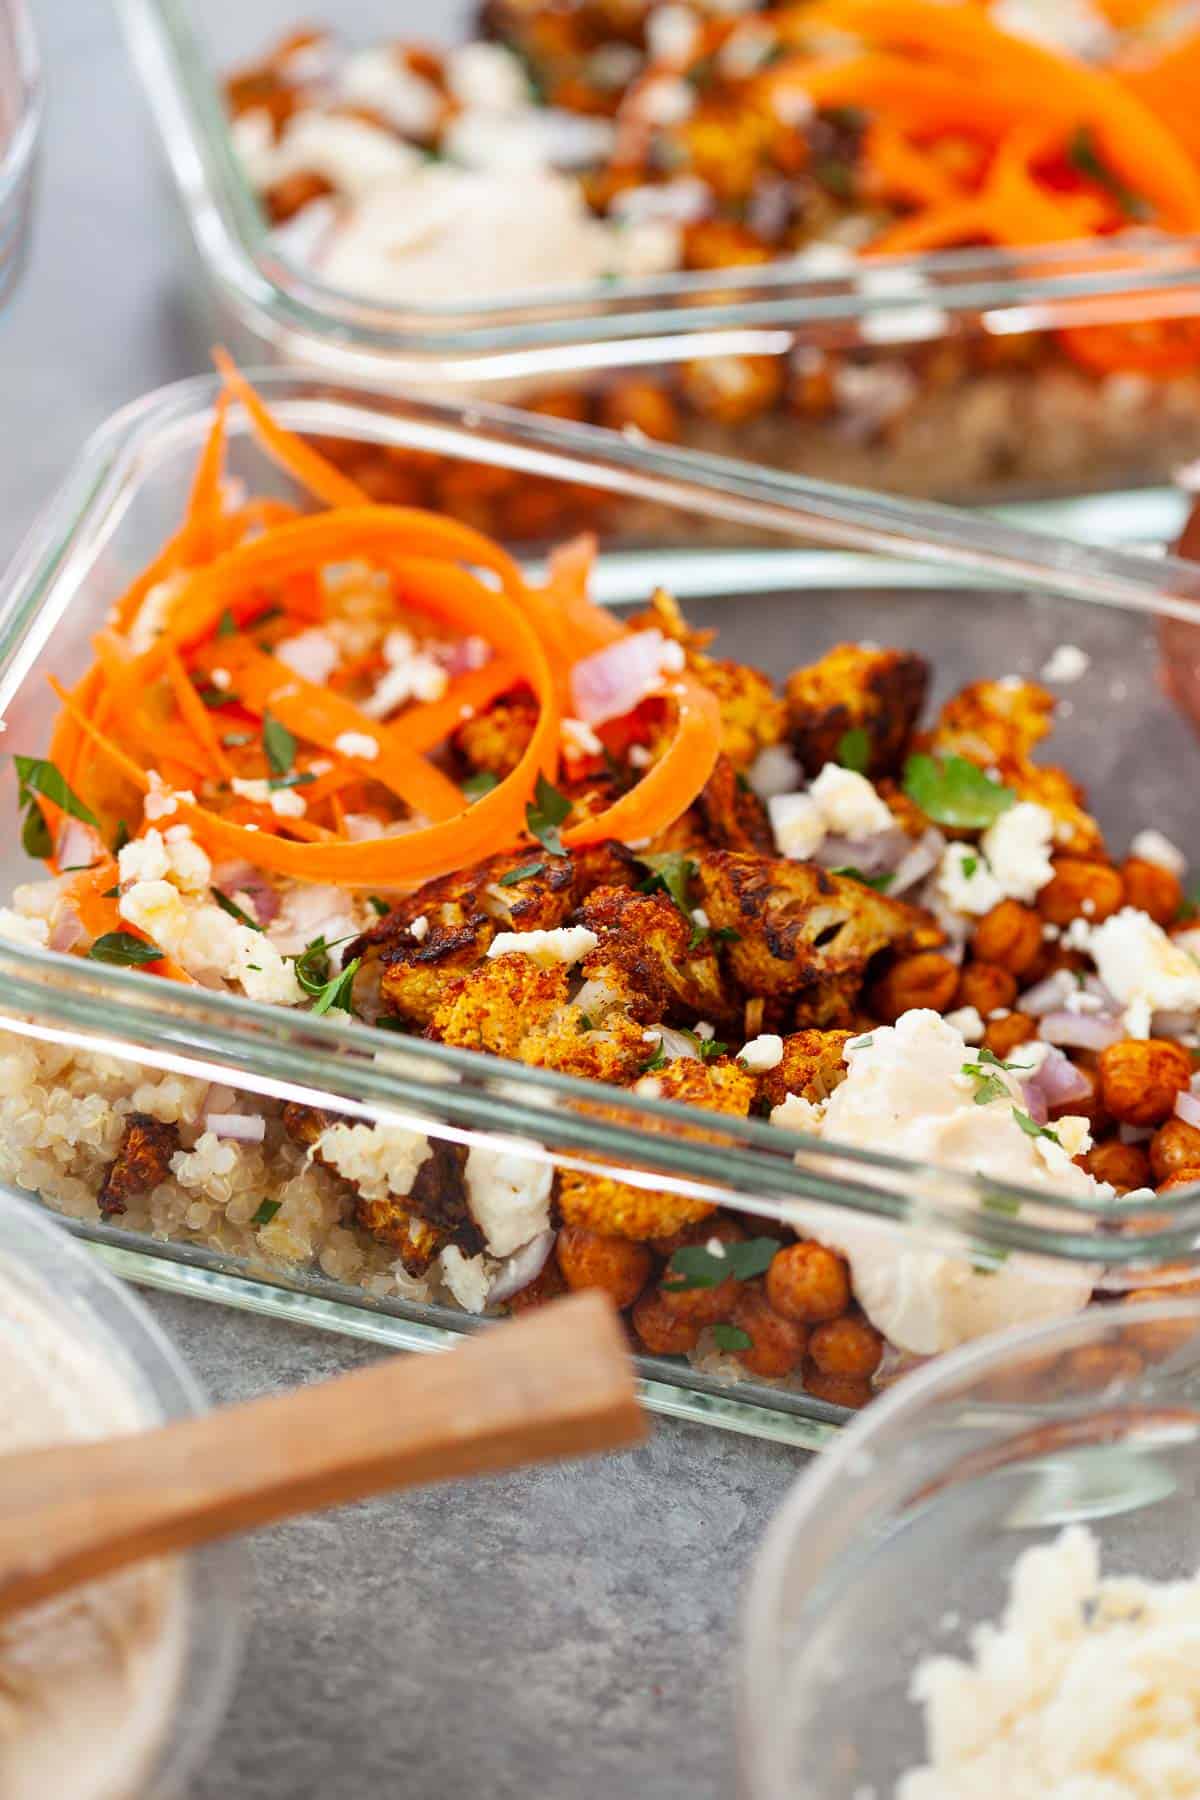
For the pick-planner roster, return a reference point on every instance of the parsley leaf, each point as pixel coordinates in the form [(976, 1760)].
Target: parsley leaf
[(695, 1266), (336, 994), (234, 910), (35, 833), (379, 907), (479, 784), (586, 1022), (37, 776), (124, 950), (522, 874), (881, 883), (215, 697), (987, 1088), (227, 625), (708, 1049), (266, 1212), (1084, 157), (952, 791), (545, 813), (969, 864), (291, 781), (670, 873), (1032, 1129), (657, 1061), (313, 973), (279, 744), (731, 1337), (854, 750), (111, 893)]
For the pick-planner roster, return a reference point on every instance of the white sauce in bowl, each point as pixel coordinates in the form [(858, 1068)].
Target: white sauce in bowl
[(87, 1682)]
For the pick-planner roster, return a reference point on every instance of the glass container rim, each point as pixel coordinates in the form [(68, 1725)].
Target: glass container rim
[(16, 156)]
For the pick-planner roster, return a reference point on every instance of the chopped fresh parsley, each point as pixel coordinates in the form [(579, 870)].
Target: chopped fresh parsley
[(215, 697), (708, 1049), (111, 893), (731, 1337), (670, 873), (336, 994), (279, 745), (234, 910), (291, 781), (324, 989), (266, 1212), (881, 883), (657, 1061), (988, 1086), (952, 791), (586, 1022), (75, 868), (227, 625), (1001, 1203), (522, 874), (988, 1262), (379, 907), (695, 1266), (1084, 157), (37, 776), (124, 950), (479, 784), (545, 813), (854, 750), (969, 865), (1032, 1129)]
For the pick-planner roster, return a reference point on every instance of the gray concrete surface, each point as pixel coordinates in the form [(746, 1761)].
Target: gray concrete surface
[(567, 1633)]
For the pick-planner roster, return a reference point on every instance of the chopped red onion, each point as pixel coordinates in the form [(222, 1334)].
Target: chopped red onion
[(611, 682), (77, 845), (876, 855), (243, 878), (1187, 1108), (676, 1043), (1058, 1082), (246, 1126), (1081, 1031), (522, 1267), (1047, 996), (68, 929), (919, 861)]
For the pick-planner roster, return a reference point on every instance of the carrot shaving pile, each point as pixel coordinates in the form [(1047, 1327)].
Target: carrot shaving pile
[(225, 734), (989, 138)]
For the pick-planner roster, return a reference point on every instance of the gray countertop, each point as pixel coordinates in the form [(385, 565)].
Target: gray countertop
[(569, 1632)]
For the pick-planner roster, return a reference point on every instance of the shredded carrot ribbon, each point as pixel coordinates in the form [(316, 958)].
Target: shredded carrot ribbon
[(210, 702)]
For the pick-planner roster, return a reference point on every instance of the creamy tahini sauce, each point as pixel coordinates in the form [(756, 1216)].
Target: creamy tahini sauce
[(87, 1682)]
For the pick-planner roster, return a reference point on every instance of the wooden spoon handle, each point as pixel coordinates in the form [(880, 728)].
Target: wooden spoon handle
[(558, 1382)]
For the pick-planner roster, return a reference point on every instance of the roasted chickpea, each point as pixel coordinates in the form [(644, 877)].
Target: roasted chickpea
[(846, 1346), (1165, 1336), (1001, 1036), (808, 1283), (569, 404), (1010, 935), (641, 406), (926, 979), (733, 389), (985, 986), (1152, 889), (1182, 1178), (1140, 1077), (1174, 1146), (1097, 1366), (1081, 890), (619, 1267), (544, 1287), (840, 1390), (660, 1329), (776, 1344), (1124, 1166)]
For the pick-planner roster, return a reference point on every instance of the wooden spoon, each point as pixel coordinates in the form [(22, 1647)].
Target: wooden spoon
[(559, 1382)]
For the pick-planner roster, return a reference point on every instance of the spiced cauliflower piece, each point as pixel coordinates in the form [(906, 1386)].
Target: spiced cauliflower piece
[(856, 687), (805, 937), (496, 1005), (495, 740), (143, 1159), (617, 1209), (813, 1064), (646, 948), (752, 715)]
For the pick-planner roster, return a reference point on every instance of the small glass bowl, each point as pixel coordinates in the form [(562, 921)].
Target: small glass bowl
[(899, 1541), (59, 1276), (20, 126)]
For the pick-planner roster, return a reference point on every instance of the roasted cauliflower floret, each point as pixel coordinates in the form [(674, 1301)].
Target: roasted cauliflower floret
[(813, 1065), (617, 1209), (804, 937), (993, 722), (495, 1006), (733, 816), (646, 948), (142, 1161), (856, 688), (752, 715), (611, 1046), (494, 741), (390, 1222)]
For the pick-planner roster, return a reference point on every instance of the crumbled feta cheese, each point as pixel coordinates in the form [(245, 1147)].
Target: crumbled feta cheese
[(700, 918), (795, 1113), (382, 80), (578, 738), (509, 1197), (285, 803), (175, 857), (762, 1053), (774, 771), (1152, 847), (358, 744), (419, 928), (704, 1031), (640, 756), (381, 1160), (469, 1278), (221, 678), (411, 674), (907, 1094), (487, 76), (16, 928), (672, 33), (549, 948), (150, 620), (1067, 663), (965, 882), (666, 100), (313, 655), (967, 1020), (849, 804), (1017, 848), (797, 825), (1087, 1687), (1144, 970), (144, 859), (161, 802)]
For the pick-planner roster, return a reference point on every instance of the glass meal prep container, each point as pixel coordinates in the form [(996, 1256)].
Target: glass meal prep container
[(944, 375), (20, 124), (79, 1038)]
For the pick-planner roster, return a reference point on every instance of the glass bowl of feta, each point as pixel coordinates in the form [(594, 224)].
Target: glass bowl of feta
[(991, 1585), (20, 124), (119, 1688)]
